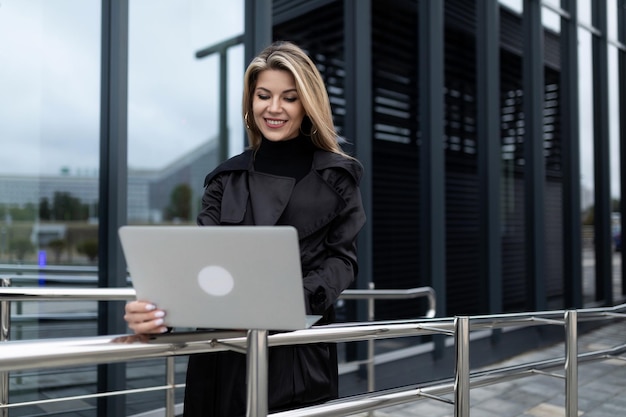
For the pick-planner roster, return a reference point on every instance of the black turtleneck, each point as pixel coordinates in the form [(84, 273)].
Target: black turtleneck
[(286, 158)]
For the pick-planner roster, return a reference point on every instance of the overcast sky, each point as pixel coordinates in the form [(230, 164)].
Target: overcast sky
[(50, 81)]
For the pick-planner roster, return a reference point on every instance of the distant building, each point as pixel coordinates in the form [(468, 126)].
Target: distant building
[(148, 190)]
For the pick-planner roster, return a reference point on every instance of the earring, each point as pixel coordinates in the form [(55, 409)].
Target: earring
[(245, 118)]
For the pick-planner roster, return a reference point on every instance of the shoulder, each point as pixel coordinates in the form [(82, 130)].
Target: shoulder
[(324, 160), (239, 162)]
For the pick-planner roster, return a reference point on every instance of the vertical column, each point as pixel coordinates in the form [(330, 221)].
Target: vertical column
[(489, 149), (223, 115), (432, 164), (569, 102), (113, 190), (358, 130), (602, 162), (534, 173), (621, 33), (258, 27), (257, 31)]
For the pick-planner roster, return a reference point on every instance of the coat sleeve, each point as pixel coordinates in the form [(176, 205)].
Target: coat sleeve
[(338, 269), (212, 202)]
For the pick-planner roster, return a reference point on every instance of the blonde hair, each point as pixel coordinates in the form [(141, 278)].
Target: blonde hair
[(311, 91)]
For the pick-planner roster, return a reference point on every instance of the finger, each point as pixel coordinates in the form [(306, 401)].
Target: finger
[(139, 306), (151, 326), (144, 317), (134, 318)]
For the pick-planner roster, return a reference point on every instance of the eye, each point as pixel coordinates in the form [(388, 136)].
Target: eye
[(263, 96), (290, 99)]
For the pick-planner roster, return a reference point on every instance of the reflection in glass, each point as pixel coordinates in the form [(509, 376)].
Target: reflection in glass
[(173, 103), (585, 84), (49, 125), (614, 155), (515, 5), (584, 11), (612, 19), (551, 20), (49, 136)]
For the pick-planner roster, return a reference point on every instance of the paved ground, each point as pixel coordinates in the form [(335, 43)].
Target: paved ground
[(602, 386)]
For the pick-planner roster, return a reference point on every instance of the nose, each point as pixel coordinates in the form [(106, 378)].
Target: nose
[(274, 105)]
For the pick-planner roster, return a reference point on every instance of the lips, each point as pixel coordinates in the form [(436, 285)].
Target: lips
[(273, 123)]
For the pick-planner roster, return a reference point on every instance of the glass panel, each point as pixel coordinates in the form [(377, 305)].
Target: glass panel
[(553, 3), (584, 11), (49, 136), (586, 161), (515, 5), (550, 19), (614, 144), (49, 125), (611, 12), (174, 103)]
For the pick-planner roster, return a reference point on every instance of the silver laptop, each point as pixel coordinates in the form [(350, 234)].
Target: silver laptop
[(219, 277)]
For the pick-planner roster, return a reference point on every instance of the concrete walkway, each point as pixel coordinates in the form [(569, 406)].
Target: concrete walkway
[(601, 393)]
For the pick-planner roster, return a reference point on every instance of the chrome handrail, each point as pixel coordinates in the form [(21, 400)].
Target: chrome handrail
[(66, 294), (8, 294), (56, 269), (67, 351), (106, 349)]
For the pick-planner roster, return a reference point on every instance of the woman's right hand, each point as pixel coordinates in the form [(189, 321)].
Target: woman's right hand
[(144, 317)]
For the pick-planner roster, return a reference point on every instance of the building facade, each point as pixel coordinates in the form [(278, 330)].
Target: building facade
[(491, 132)]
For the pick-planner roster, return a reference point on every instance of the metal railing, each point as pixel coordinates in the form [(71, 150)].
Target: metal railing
[(8, 294), (41, 354), (16, 356)]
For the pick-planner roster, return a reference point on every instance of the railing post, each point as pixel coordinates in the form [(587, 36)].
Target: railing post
[(371, 377), (370, 344), (571, 363), (462, 372), (5, 331), (257, 374), (170, 395)]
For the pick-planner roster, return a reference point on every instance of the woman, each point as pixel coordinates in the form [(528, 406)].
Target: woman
[(294, 173)]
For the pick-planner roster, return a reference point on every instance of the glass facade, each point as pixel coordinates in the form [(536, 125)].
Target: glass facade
[(50, 136)]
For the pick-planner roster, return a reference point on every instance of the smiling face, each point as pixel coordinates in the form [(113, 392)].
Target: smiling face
[(277, 109)]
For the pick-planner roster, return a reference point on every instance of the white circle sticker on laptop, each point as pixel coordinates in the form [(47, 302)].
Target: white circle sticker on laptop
[(215, 280)]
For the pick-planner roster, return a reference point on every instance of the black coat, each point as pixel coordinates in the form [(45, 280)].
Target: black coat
[(325, 207)]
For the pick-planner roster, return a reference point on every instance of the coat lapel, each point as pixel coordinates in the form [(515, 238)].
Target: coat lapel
[(314, 204), (308, 206), (269, 195)]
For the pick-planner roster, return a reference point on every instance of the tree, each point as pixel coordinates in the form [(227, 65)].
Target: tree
[(45, 211), (180, 203), (21, 247), (57, 246), (65, 207), (589, 216), (89, 248)]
